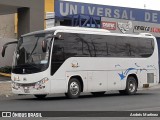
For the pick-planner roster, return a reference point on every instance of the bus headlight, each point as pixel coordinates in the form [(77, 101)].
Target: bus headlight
[(41, 84), (15, 85)]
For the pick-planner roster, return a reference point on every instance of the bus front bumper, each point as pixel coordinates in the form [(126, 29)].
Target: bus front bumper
[(30, 88)]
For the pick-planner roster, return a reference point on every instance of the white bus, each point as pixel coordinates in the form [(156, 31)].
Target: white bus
[(72, 60)]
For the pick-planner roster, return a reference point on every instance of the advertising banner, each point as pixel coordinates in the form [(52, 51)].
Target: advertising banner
[(66, 8)]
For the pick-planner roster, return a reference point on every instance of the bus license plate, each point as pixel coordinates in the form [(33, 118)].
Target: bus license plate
[(26, 90)]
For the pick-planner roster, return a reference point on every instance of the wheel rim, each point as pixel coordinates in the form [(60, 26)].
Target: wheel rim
[(74, 88), (132, 86)]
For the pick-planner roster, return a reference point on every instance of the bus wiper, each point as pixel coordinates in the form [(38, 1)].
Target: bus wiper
[(32, 50)]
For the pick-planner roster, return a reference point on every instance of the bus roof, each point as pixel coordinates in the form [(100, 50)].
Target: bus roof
[(78, 29), (97, 30), (67, 28)]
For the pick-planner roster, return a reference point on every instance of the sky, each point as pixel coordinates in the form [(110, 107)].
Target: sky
[(142, 4)]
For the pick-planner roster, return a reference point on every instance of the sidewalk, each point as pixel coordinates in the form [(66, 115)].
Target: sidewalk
[(5, 86), (150, 88), (5, 89)]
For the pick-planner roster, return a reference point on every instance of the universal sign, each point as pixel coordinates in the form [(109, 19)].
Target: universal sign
[(66, 8)]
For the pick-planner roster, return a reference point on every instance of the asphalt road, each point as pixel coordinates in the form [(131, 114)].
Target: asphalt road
[(148, 100), (2, 79), (111, 101)]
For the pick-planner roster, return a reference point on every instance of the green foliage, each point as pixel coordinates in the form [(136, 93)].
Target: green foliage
[(6, 69)]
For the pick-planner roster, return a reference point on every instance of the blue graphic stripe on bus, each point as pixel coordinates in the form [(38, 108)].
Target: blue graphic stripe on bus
[(128, 70), (124, 74)]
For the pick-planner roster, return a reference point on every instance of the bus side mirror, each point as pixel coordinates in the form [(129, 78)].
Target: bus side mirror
[(44, 45), (3, 50), (5, 46)]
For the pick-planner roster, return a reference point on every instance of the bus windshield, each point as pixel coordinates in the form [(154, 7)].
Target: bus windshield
[(29, 57)]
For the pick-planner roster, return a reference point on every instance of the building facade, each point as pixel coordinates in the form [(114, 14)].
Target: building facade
[(19, 17), (116, 19)]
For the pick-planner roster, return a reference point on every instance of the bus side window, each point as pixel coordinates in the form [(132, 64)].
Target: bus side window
[(146, 47), (58, 55)]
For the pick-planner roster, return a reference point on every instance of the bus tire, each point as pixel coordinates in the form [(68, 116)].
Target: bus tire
[(131, 86), (74, 88), (40, 96), (98, 93)]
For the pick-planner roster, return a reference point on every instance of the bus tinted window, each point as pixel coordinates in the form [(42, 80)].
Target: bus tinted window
[(85, 45), (121, 46)]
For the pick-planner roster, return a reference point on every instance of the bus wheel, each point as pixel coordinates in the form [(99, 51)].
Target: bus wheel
[(74, 88), (131, 86), (40, 96), (98, 93)]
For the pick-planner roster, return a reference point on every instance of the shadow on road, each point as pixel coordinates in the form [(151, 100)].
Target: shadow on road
[(88, 96)]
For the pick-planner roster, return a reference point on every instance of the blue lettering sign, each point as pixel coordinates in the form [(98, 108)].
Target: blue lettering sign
[(67, 9)]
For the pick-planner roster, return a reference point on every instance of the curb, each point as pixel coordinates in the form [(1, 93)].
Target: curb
[(5, 82), (150, 88), (5, 74)]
